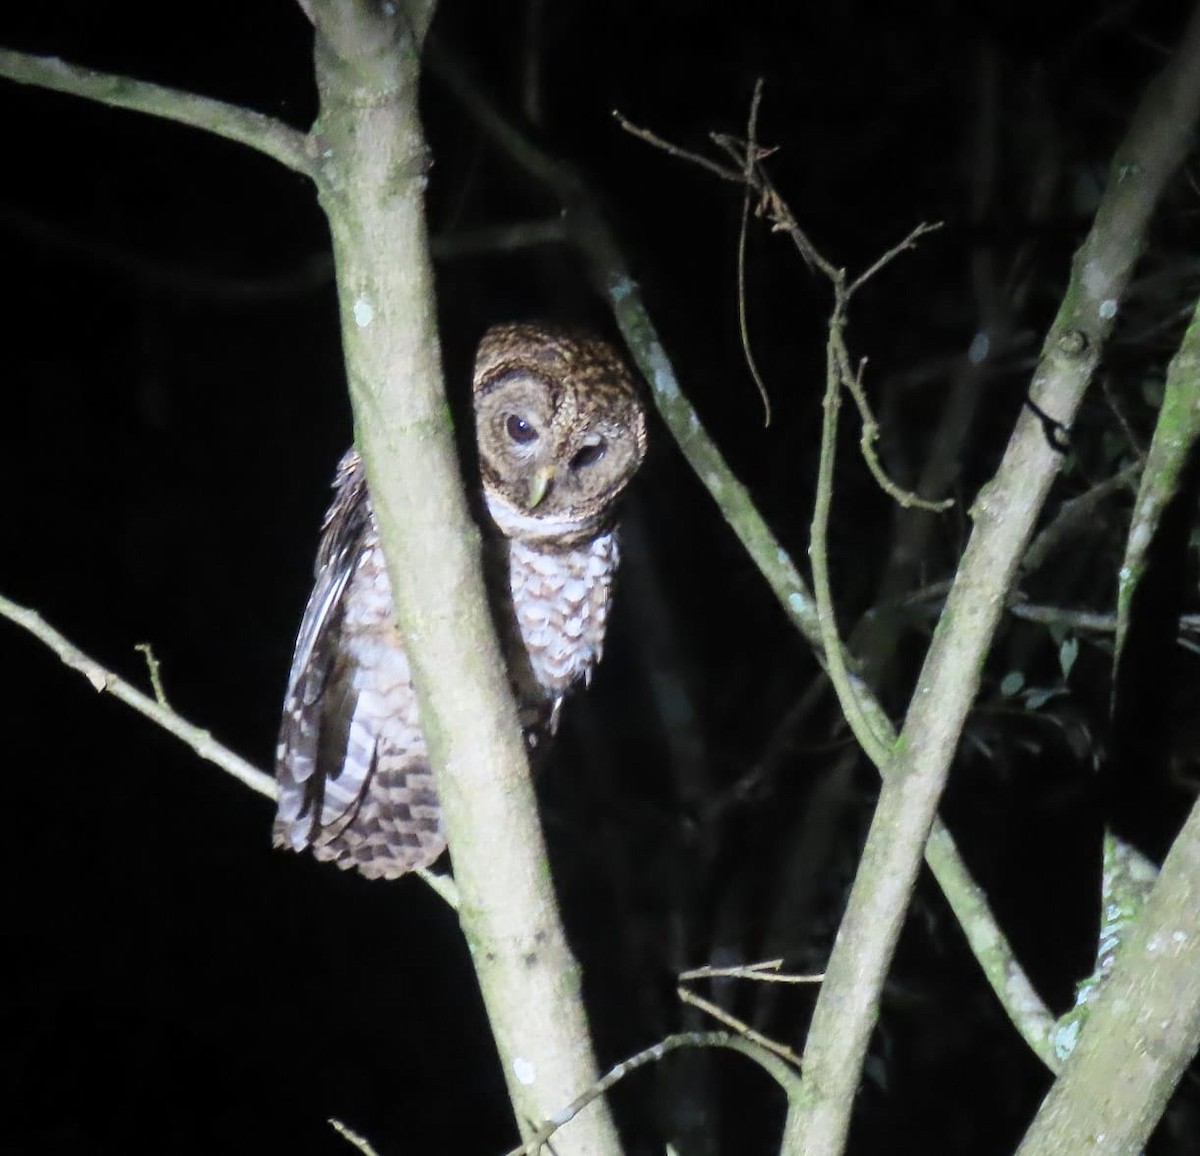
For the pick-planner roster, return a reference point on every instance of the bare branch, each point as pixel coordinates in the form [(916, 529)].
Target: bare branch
[(159, 712), (783, 1074), (765, 972), (106, 682), (1013, 988), (1082, 620), (743, 231), (740, 1026), (271, 137), (1175, 434), (499, 238), (154, 669), (772, 206), (357, 1141), (1075, 515), (880, 263), (875, 741), (1143, 1028), (736, 176)]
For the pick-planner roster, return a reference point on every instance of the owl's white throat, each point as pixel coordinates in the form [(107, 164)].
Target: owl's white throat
[(515, 523)]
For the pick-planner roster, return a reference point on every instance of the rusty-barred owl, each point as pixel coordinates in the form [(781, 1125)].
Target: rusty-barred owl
[(560, 432)]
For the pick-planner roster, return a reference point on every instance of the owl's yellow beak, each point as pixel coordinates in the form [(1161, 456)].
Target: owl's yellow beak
[(539, 486)]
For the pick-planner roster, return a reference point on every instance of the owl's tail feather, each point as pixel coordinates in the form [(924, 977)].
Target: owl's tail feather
[(395, 827)]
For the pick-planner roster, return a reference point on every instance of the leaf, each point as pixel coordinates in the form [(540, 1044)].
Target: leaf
[(1039, 696), (1012, 683), (1068, 652)]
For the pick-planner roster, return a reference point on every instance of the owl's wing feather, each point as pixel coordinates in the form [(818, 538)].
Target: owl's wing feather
[(343, 540), (319, 703), (355, 783)]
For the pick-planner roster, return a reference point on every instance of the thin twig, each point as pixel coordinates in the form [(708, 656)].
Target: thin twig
[(155, 670), (852, 379), (359, 1142), (740, 1026), (880, 263), (1117, 409), (743, 231), (733, 175), (764, 972), (1077, 514), (1098, 623), (875, 742), (499, 238), (269, 136), (772, 206)]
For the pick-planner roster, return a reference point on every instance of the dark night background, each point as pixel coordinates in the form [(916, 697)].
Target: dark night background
[(173, 409)]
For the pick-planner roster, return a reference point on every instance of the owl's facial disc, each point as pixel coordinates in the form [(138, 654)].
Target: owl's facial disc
[(542, 464), (560, 432)]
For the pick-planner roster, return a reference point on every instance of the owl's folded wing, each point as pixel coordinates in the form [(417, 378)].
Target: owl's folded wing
[(312, 736)]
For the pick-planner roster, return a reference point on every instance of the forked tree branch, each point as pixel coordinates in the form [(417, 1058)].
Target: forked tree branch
[(1142, 1019), (839, 375), (1142, 1030), (1004, 513), (592, 234)]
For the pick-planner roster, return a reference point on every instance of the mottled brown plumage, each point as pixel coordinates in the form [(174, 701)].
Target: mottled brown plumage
[(560, 433)]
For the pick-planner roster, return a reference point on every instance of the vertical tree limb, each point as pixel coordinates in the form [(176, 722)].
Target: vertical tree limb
[(1004, 513), (1175, 434), (1143, 1030), (372, 181), (1141, 1021)]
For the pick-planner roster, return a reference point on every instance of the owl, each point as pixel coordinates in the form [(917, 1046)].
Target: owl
[(560, 432)]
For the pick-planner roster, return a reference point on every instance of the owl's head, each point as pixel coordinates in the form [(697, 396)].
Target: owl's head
[(560, 430)]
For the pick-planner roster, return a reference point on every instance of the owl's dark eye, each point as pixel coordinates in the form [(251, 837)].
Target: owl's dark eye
[(589, 455), (520, 430)]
